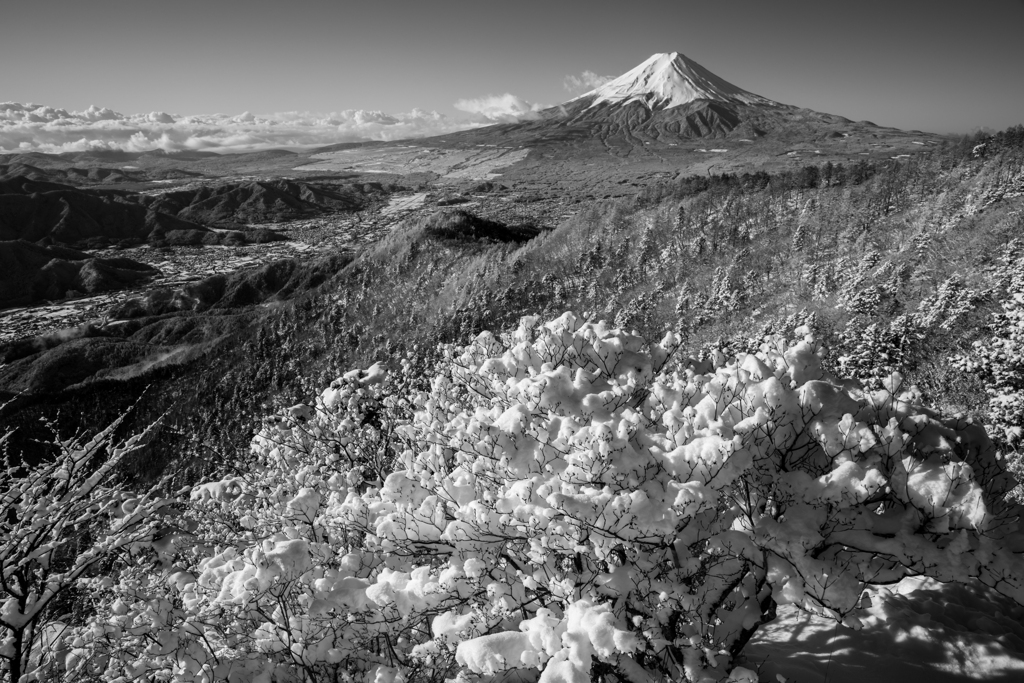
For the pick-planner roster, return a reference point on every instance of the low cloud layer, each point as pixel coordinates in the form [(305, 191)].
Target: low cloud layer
[(505, 108), (585, 82), (38, 128)]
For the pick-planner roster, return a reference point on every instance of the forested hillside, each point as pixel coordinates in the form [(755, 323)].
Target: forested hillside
[(805, 386), (896, 267)]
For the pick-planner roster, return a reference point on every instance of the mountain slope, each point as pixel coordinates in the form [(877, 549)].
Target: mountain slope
[(30, 272), (234, 204), (670, 107), (669, 80), (669, 97), (52, 213)]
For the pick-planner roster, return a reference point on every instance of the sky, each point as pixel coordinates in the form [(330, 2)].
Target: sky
[(939, 66)]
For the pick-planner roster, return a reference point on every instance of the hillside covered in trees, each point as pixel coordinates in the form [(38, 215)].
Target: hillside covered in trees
[(805, 385), (899, 266)]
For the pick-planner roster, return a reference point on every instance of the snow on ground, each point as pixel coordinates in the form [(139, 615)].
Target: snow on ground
[(670, 80), (919, 630), (403, 202), (481, 163)]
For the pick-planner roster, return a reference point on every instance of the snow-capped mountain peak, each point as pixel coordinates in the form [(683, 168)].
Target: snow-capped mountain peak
[(669, 80)]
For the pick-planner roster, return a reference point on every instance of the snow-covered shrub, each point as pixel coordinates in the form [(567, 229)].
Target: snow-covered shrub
[(262, 585), (566, 502), (948, 306), (875, 351), (60, 521), (999, 361), (874, 348)]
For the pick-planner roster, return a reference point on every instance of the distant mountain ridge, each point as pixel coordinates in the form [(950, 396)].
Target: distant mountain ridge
[(232, 204), (53, 213)]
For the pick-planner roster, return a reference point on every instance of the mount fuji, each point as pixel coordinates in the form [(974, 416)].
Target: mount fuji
[(669, 80), (672, 96), (668, 83), (667, 116), (669, 99)]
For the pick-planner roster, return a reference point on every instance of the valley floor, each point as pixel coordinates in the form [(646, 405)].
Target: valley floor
[(182, 265)]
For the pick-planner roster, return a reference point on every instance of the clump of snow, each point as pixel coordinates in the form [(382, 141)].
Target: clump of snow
[(588, 631), (494, 652), (224, 490)]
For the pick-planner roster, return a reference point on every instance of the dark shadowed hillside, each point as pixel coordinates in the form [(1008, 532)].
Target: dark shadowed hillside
[(50, 213), (897, 266), (257, 202), (30, 272)]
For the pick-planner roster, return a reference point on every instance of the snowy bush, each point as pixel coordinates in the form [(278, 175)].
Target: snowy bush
[(61, 521), (999, 361), (877, 350), (267, 584), (874, 350), (566, 503)]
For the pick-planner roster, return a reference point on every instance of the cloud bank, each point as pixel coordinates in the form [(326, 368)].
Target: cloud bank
[(38, 128), (585, 82), (505, 108)]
